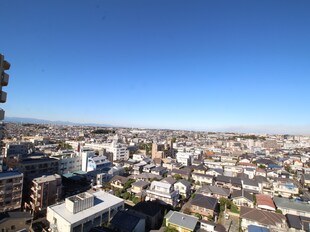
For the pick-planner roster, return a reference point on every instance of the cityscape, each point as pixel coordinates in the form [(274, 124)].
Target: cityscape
[(161, 116)]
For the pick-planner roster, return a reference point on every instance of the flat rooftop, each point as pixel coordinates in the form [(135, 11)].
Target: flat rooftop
[(48, 178), (103, 200), (10, 174)]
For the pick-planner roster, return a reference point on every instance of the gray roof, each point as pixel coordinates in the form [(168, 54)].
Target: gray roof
[(214, 190), (242, 193), (140, 183), (285, 203), (182, 220), (307, 176), (250, 182), (169, 180), (204, 201), (185, 182), (125, 221)]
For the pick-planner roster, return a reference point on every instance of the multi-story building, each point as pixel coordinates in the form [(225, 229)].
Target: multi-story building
[(158, 150), (163, 192), (11, 186), (285, 188), (119, 150), (185, 158), (45, 191), (14, 149), (37, 166), (83, 211), (69, 161)]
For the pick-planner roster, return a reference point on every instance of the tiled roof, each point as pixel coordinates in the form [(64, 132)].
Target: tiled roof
[(261, 216)]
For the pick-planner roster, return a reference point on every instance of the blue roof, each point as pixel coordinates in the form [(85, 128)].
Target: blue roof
[(273, 166), (254, 228)]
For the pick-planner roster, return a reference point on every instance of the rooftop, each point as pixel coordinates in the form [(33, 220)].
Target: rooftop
[(181, 219), (291, 204), (10, 174), (102, 201)]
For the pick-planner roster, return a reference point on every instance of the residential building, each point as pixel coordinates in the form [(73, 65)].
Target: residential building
[(242, 198), (270, 220), (15, 221), (17, 149), (290, 206), (251, 185), (185, 158), (45, 191), (184, 188), (83, 211), (159, 171), (204, 205), (118, 181), (228, 182), (285, 187), (185, 173), (163, 192), (128, 221), (158, 151), (305, 180), (181, 222), (11, 187), (202, 179), (298, 223), (265, 202), (69, 162), (214, 191), (208, 226), (150, 210), (138, 188), (37, 166)]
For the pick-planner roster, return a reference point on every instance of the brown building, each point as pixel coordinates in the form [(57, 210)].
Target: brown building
[(204, 205), (158, 150), (45, 191), (11, 186)]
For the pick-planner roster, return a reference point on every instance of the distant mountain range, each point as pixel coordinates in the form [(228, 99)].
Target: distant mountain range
[(43, 121)]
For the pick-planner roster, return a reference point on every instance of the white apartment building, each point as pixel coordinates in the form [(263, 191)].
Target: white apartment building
[(119, 150), (185, 158), (69, 161), (83, 211)]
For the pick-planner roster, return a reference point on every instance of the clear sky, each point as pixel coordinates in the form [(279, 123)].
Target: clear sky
[(209, 64)]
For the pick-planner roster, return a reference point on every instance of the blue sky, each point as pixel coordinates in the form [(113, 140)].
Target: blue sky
[(215, 65)]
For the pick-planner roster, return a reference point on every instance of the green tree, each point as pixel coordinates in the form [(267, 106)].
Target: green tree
[(279, 211), (177, 177), (118, 192), (198, 216), (127, 185), (262, 166), (224, 202), (234, 208), (126, 195), (210, 218), (136, 200), (170, 229)]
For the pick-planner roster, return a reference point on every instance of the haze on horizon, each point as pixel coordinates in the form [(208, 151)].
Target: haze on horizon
[(203, 65)]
